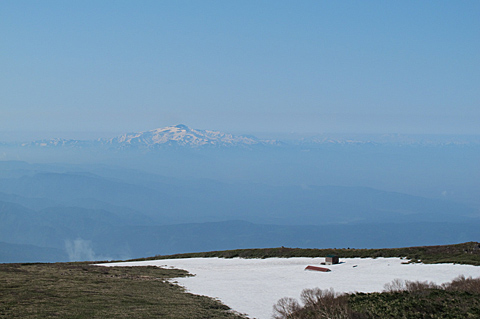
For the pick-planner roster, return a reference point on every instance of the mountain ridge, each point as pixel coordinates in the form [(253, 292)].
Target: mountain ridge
[(179, 135), (183, 136)]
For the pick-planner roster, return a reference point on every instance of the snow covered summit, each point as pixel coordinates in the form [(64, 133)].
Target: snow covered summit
[(181, 135)]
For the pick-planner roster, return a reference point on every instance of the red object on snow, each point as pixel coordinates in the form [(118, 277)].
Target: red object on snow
[(315, 268)]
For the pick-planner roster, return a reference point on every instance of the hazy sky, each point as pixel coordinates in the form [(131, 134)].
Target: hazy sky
[(240, 66)]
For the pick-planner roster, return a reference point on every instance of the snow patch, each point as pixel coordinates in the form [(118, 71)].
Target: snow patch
[(253, 286)]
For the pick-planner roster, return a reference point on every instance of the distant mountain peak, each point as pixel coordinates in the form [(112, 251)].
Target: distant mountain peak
[(179, 135), (182, 127), (182, 135)]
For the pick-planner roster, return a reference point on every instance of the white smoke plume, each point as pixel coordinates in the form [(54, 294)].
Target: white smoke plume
[(79, 250)]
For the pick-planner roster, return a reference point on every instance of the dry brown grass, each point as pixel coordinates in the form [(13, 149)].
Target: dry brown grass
[(79, 290)]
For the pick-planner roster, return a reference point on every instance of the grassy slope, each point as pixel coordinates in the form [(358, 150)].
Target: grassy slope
[(79, 290), (465, 253)]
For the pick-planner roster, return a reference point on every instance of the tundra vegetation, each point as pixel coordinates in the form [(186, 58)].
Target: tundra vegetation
[(465, 253), (401, 299), (81, 290)]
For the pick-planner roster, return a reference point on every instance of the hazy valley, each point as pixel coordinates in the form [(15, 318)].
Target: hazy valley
[(177, 189)]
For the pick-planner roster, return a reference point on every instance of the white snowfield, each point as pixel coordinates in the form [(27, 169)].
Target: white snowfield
[(253, 286)]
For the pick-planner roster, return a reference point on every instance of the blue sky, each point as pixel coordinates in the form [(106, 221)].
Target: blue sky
[(240, 66)]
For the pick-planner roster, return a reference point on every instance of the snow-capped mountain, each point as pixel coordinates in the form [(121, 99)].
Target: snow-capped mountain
[(181, 135), (60, 142), (184, 136), (177, 135)]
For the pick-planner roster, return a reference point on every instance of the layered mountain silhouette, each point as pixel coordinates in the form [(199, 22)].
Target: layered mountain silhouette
[(183, 136), (177, 135)]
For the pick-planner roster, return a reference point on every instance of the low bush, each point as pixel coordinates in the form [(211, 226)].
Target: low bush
[(401, 299), (286, 308), (470, 285), (398, 285), (317, 303)]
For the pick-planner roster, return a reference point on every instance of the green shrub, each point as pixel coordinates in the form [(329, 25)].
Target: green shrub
[(401, 299)]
